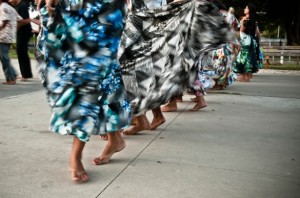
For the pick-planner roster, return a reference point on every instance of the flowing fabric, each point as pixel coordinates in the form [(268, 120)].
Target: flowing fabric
[(79, 68), (216, 66), (249, 58), (159, 49)]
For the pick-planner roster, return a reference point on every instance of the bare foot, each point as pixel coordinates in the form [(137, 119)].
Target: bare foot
[(240, 78), (198, 106), (134, 120), (156, 122), (78, 173), (170, 106), (141, 123), (134, 130), (10, 82), (104, 137), (244, 80), (114, 145), (200, 103)]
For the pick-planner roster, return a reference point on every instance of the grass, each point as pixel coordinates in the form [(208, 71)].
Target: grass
[(283, 67), (13, 53)]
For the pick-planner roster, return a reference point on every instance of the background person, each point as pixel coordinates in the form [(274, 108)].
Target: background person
[(24, 34), (8, 29)]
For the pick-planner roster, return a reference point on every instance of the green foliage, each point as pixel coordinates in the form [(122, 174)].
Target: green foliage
[(272, 14), (13, 53)]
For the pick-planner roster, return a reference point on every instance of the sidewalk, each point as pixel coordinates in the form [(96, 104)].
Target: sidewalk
[(32, 85), (244, 144)]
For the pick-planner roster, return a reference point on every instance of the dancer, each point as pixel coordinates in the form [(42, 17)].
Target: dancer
[(197, 87), (141, 122), (158, 57), (81, 74), (217, 64), (247, 60)]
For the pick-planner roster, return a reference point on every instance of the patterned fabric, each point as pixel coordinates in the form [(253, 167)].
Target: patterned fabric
[(222, 66), (80, 70), (247, 60), (7, 13), (153, 4), (206, 72), (159, 49), (216, 65)]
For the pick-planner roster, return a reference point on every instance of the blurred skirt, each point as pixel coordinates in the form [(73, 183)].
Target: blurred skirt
[(77, 55), (160, 48)]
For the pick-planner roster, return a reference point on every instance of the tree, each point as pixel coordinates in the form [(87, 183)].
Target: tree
[(271, 15), (287, 15)]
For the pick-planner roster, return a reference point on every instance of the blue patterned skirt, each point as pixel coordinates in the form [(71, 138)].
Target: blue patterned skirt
[(79, 68)]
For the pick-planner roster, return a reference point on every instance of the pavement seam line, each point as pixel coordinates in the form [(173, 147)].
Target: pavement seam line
[(155, 137)]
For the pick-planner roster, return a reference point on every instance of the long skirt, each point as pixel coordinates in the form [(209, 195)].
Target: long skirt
[(247, 60), (79, 68), (160, 48)]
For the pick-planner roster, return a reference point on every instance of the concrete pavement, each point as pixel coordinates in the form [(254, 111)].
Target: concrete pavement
[(244, 144), (32, 85)]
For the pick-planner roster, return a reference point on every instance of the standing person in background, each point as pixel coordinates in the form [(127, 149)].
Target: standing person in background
[(24, 34), (8, 29), (247, 60)]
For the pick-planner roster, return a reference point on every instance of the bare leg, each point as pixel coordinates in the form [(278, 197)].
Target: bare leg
[(78, 173), (247, 77), (141, 123), (170, 106), (158, 118), (201, 103), (241, 77), (133, 121), (115, 144)]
